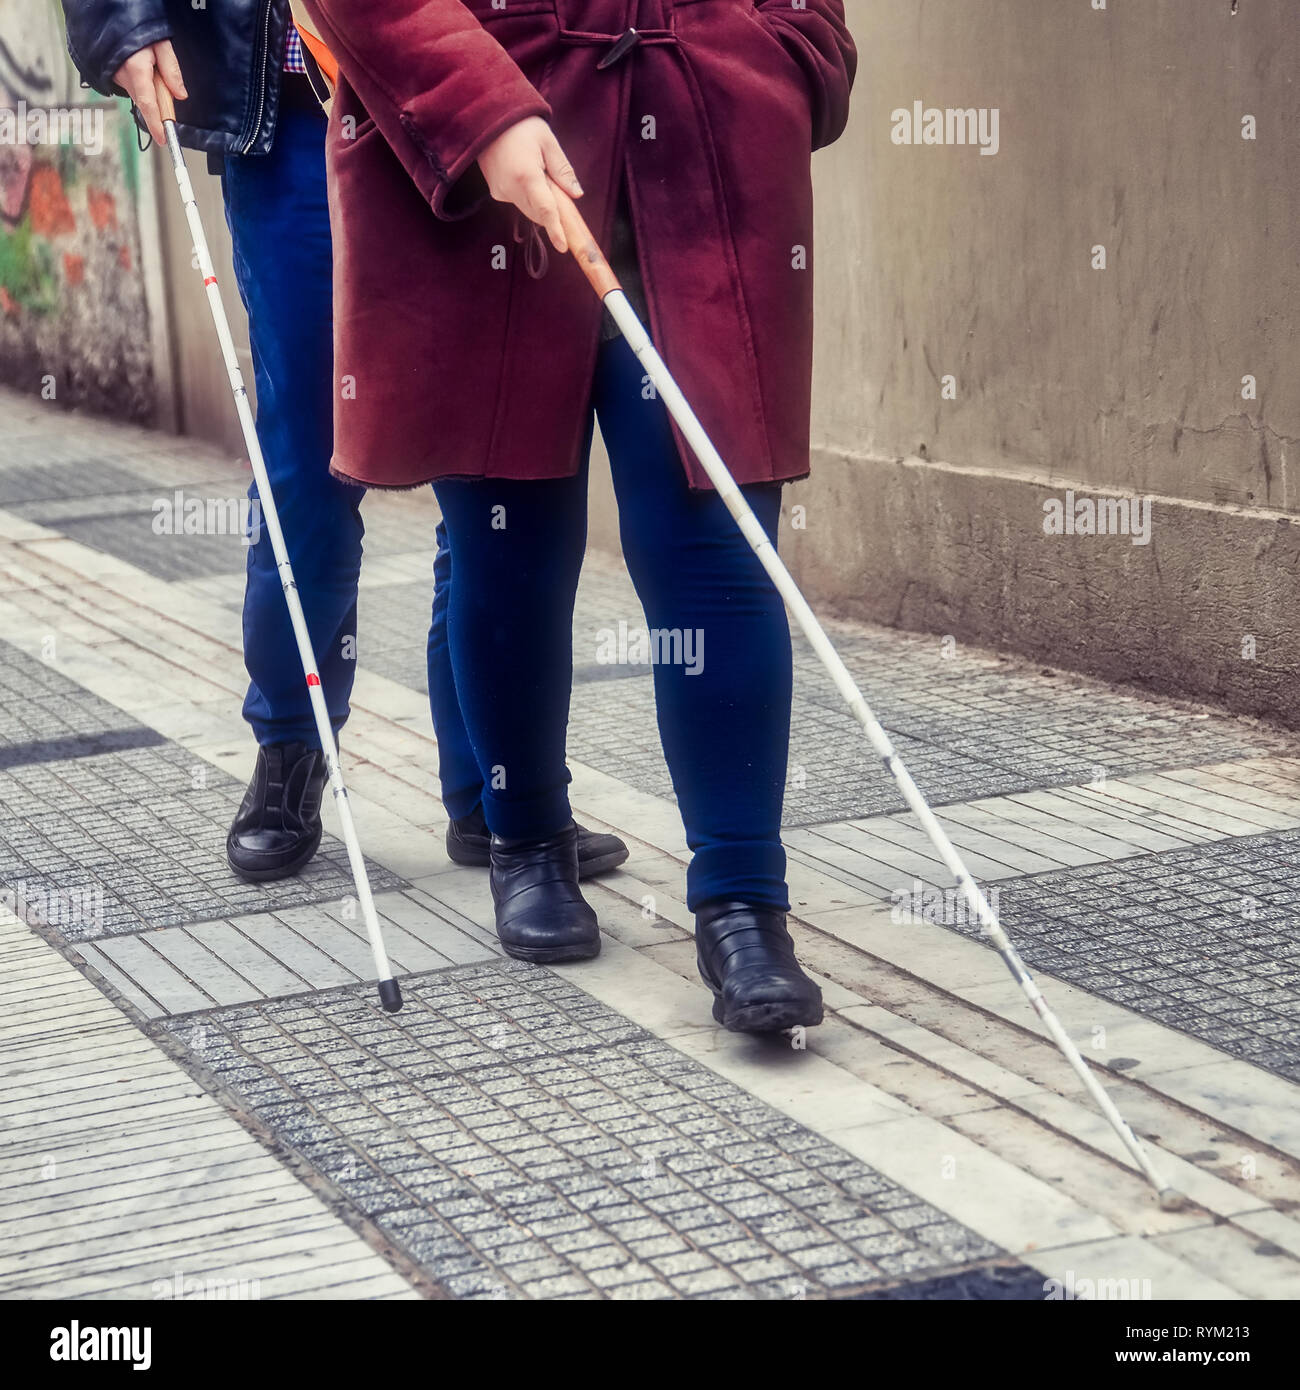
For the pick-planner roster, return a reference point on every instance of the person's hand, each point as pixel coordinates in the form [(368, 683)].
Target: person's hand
[(136, 78), (516, 165)]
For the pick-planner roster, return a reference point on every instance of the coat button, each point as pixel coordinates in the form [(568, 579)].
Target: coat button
[(620, 48)]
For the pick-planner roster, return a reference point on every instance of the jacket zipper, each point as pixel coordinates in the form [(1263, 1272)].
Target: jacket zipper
[(261, 93)]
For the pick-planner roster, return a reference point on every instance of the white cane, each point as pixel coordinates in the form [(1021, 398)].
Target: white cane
[(603, 280), (390, 994)]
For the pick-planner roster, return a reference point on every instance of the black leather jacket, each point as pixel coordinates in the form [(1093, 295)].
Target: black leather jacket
[(230, 51)]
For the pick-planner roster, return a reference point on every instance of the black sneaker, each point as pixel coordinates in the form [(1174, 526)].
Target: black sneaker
[(278, 827), (469, 843)]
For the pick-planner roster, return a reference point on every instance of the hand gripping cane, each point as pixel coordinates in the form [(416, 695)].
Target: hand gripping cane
[(603, 280), (390, 994)]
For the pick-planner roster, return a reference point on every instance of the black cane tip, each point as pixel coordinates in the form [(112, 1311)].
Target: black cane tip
[(390, 995)]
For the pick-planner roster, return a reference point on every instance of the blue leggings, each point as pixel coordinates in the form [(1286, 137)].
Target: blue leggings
[(724, 720)]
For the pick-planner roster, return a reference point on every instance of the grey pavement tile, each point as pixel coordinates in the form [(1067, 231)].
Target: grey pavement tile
[(103, 841), (47, 472), (991, 744), (499, 1128), (130, 537), (41, 708), (966, 728), (445, 1174), (1113, 925), (991, 1283)]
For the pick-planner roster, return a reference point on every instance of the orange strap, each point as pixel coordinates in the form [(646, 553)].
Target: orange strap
[(324, 58)]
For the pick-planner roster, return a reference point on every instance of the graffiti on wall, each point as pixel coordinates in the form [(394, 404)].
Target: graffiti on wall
[(72, 311)]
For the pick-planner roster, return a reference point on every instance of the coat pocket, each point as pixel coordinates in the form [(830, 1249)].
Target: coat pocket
[(776, 80), (789, 62)]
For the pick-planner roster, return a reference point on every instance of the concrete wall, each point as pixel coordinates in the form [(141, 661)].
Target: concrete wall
[(75, 322), (203, 403), (1119, 128)]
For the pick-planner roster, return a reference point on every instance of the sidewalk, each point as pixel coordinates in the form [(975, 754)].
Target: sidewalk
[(199, 1095)]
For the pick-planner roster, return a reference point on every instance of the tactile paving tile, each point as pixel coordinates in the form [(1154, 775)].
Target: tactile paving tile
[(1003, 713), (393, 631), (39, 705), (832, 773), (58, 750), (1201, 939), (966, 728), (393, 625), (126, 841), (98, 450), (520, 1139), (998, 1283), (962, 733), (130, 537), (85, 474)]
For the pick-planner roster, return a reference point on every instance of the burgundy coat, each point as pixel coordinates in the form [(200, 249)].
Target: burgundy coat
[(450, 359)]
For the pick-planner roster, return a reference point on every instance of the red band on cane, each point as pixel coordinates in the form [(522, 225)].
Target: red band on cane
[(313, 679), (209, 279)]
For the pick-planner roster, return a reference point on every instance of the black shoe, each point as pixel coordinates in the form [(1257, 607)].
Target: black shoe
[(541, 913), (278, 827), (747, 959), (469, 843)]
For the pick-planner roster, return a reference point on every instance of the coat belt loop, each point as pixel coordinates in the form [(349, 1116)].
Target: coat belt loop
[(620, 48)]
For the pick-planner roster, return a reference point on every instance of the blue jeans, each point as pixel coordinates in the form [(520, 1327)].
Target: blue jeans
[(278, 215), (723, 692), (279, 223)]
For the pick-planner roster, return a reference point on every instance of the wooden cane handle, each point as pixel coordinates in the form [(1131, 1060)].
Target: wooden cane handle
[(166, 106), (583, 245)]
